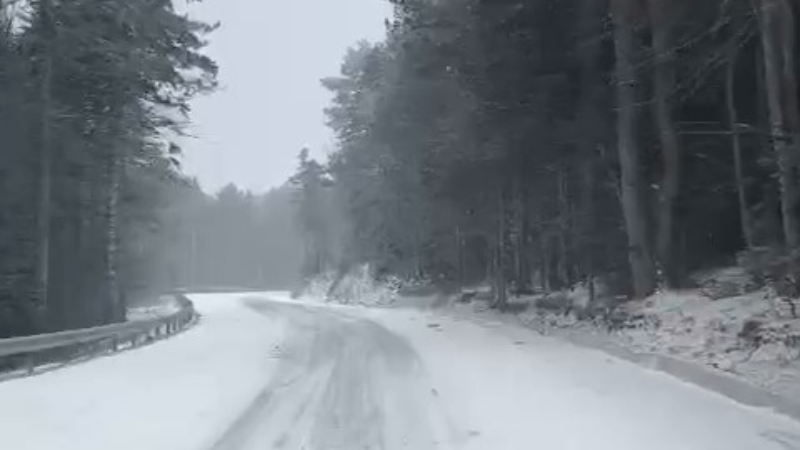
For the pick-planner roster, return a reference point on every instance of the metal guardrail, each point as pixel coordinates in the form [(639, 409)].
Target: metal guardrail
[(27, 353), (222, 289)]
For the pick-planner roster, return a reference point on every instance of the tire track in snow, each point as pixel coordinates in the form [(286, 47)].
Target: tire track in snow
[(343, 383)]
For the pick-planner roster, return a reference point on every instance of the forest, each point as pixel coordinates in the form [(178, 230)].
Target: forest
[(532, 145), (96, 213), (92, 93), (536, 217), (542, 144)]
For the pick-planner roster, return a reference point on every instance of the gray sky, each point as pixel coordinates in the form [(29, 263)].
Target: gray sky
[(272, 55)]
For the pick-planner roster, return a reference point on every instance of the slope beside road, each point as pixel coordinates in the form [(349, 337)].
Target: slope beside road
[(262, 372)]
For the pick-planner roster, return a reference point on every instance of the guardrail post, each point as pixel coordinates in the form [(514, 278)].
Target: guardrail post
[(30, 363)]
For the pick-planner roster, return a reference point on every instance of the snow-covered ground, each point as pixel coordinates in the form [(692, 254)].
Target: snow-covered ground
[(263, 374), (177, 394)]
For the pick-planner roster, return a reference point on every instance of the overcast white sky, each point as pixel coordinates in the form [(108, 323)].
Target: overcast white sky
[(272, 54)]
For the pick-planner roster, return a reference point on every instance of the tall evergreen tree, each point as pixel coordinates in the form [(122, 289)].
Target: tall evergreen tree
[(477, 142), (93, 89)]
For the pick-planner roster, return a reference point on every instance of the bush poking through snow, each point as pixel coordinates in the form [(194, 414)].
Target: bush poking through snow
[(357, 286), (724, 283), (317, 288)]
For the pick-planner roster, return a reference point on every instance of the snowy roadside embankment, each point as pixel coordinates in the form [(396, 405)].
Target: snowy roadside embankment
[(179, 394), (747, 337), (162, 307), (741, 335)]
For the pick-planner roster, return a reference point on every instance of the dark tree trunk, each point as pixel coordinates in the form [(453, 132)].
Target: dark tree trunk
[(777, 24), (664, 84), (500, 281), (115, 304), (563, 229), (524, 280), (736, 146), (459, 258), (45, 183), (640, 255)]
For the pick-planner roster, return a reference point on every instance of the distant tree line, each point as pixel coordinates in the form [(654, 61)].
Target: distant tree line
[(92, 93), (544, 143), (236, 239)]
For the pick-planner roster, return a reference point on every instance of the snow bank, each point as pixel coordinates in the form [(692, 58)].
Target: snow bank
[(744, 335), (723, 325), (165, 306)]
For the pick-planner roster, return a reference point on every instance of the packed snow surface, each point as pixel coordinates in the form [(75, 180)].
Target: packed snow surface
[(263, 372)]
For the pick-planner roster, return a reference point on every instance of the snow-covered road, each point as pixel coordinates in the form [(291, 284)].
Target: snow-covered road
[(342, 382), (261, 374)]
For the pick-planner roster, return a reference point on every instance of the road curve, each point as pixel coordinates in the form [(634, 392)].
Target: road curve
[(359, 379), (342, 383), (260, 372)]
